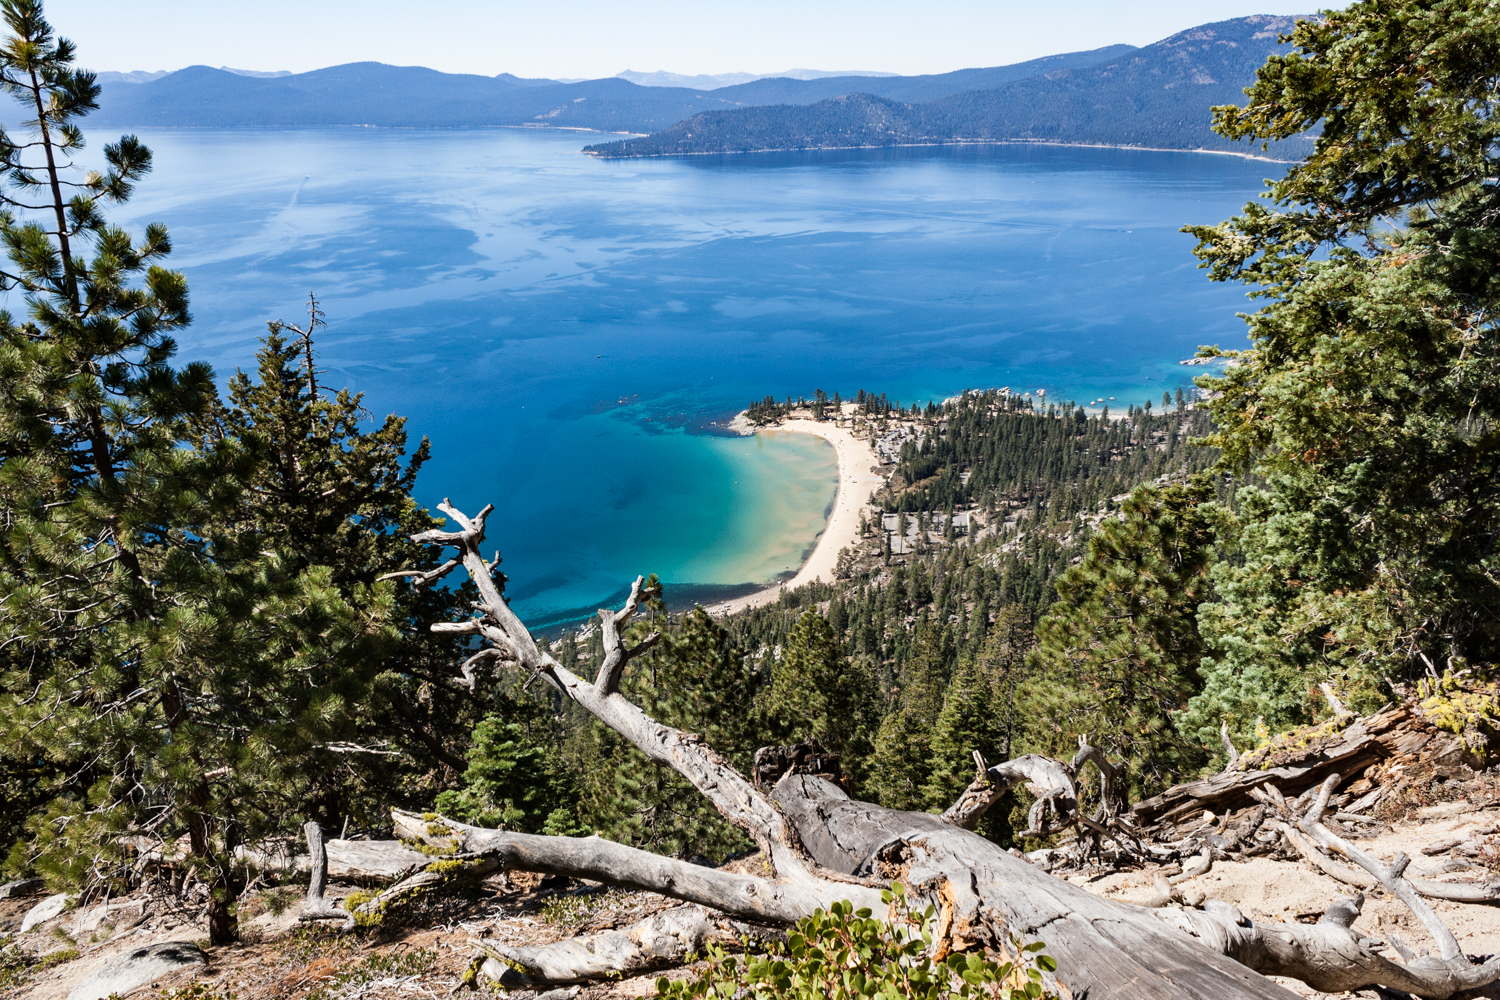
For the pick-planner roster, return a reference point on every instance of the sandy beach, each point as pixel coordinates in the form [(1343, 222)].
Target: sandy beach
[(859, 478)]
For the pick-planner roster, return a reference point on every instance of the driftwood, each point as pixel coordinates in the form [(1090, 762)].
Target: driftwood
[(822, 846)]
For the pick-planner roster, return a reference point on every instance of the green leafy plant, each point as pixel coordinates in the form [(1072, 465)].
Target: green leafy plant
[(201, 991), (847, 954)]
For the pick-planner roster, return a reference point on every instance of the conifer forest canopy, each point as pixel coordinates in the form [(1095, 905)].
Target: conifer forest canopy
[(225, 623)]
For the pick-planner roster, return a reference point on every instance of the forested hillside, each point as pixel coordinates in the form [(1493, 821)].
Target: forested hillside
[(867, 665), (223, 615), (1159, 96)]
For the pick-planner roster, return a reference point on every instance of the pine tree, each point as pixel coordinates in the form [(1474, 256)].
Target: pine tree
[(898, 767), (176, 659), (818, 694), (325, 493), (968, 722), (1368, 406), (95, 492), (515, 779), (1118, 653)]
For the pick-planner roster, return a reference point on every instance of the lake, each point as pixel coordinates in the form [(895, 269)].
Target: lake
[(567, 330)]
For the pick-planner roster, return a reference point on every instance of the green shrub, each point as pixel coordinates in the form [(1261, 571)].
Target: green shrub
[(846, 954), (200, 991), (17, 967)]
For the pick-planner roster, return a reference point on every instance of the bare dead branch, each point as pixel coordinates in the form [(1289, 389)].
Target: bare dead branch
[(421, 578), (1389, 876), (616, 653), (1234, 755), (735, 797)]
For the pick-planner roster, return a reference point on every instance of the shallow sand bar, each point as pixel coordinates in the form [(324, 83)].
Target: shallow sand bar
[(859, 478)]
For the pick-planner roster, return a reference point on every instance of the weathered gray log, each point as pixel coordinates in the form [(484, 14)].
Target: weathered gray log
[(1397, 731), (436, 873), (1051, 781), (370, 860), (660, 941), (1102, 946), (362, 861), (765, 901), (823, 845)]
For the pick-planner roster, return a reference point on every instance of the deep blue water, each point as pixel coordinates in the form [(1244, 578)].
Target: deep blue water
[(564, 328)]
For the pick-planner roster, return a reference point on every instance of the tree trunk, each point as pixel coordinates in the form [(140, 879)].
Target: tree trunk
[(1396, 732), (986, 895), (823, 847)]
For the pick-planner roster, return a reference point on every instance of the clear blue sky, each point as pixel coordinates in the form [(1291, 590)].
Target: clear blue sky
[(593, 38)]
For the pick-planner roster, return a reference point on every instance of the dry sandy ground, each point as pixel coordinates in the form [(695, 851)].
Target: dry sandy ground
[(297, 968), (1266, 891), (859, 478)]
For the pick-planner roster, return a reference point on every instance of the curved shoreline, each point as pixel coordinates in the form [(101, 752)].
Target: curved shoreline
[(858, 481), (599, 155)]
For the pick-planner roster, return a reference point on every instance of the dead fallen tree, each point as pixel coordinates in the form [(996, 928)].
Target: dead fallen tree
[(822, 846), (1356, 749)]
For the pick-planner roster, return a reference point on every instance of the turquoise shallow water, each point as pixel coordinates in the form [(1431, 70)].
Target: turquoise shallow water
[(565, 329)]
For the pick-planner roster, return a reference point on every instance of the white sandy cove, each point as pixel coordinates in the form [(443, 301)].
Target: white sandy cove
[(858, 481)]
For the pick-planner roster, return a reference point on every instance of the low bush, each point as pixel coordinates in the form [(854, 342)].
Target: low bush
[(846, 954)]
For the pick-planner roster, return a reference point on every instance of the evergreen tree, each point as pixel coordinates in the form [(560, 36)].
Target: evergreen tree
[(1369, 404), (980, 712), (816, 693), (112, 598), (898, 768), (1118, 653), (515, 779), (967, 722), (187, 652), (324, 493)]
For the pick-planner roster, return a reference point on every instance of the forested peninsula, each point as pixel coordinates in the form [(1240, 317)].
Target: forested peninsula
[(1158, 97), (1149, 705)]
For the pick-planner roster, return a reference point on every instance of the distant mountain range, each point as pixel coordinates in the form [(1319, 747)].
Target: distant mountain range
[(1158, 96), (713, 81), (409, 96), (143, 76)]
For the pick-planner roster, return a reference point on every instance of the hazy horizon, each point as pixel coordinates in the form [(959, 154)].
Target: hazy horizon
[(592, 39)]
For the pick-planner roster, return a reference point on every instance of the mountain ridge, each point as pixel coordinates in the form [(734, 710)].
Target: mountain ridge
[(372, 93), (1158, 97)]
